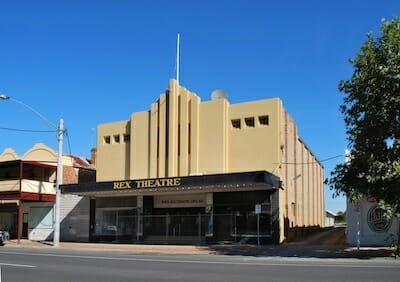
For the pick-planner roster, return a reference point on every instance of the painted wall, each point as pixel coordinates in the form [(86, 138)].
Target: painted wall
[(40, 220), (139, 149), (302, 199), (74, 218), (374, 229), (329, 220), (113, 157), (254, 146), (213, 137)]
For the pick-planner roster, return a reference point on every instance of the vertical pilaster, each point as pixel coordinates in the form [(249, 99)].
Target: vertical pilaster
[(162, 136), (153, 128), (184, 133), (172, 132), (194, 134)]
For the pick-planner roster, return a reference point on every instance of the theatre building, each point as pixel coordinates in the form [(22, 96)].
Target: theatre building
[(192, 171)]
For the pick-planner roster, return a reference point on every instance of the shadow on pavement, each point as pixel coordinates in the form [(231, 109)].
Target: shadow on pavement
[(330, 243), (301, 251)]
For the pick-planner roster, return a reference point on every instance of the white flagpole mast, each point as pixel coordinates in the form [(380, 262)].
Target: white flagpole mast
[(177, 58)]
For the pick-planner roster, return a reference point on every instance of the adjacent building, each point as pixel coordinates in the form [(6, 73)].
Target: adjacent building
[(368, 226), (194, 171), (330, 218), (27, 189)]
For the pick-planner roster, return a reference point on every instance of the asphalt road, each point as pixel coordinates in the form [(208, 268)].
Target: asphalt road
[(49, 265)]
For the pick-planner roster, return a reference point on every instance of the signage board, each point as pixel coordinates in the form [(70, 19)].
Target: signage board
[(180, 201), (258, 209)]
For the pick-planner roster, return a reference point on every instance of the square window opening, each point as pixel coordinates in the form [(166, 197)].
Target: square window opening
[(127, 138), (236, 123), (263, 120), (249, 121)]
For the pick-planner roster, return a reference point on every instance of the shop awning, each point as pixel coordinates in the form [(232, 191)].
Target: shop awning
[(226, 182)]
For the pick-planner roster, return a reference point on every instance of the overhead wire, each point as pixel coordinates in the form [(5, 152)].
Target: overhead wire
[(315, 162), (25, 130), (68, 141)]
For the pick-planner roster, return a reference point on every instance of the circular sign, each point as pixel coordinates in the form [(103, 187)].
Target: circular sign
[(377, 221)]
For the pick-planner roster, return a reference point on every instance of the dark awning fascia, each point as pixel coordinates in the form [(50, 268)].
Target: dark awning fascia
[(244, 179)]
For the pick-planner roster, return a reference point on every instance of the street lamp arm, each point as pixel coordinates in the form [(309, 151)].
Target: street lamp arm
[(49, 123), (59, 175)]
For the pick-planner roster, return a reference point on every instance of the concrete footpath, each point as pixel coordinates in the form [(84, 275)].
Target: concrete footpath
[(328, 244)]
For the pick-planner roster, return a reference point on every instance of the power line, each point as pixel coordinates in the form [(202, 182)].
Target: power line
[(25, 130), (69, 141), (315, 162)]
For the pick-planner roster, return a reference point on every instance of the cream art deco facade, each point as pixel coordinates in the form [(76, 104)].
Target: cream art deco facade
[(204, 166)]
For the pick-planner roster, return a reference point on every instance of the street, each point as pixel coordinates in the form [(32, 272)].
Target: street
[(33, 264)]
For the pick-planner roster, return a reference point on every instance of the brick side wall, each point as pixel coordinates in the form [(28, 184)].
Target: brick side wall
[(70, 175)]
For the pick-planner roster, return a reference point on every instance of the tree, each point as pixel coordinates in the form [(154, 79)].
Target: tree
[(340, 217), (371, 110)]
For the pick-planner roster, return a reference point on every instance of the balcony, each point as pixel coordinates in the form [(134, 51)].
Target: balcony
[(31, 181)]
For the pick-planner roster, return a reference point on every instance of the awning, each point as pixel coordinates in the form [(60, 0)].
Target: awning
[(227, 182)]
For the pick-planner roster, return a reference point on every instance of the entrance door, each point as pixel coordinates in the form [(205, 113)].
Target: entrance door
[(25, 225), (184, 225), (9, 220)]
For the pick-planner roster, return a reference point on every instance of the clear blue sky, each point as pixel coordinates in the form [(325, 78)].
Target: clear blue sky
[(92, 62)]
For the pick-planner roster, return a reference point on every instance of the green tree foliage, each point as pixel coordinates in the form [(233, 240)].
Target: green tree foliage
[(371, 109), (340, 217)]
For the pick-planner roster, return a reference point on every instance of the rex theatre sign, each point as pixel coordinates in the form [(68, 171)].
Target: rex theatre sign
[(147, 183)]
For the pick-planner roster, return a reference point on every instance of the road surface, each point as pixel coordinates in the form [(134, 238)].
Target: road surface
[(50, 265)]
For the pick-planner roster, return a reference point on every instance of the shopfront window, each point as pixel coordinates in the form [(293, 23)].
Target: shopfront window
[(115, 219), (235, 218)]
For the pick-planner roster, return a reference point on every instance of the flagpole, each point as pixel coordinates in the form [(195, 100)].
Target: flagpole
[(177, 58)]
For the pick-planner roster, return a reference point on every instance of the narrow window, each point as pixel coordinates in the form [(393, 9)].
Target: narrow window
[(179, 139), (158, 142), (235, 123), (249, 121), (189, 138), (107, 140), (263, 120), (116, 138), (127, 138)]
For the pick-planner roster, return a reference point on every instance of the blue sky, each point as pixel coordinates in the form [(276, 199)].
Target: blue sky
[(92, 62)]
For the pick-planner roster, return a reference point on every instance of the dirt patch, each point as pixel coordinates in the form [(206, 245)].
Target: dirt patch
[(329, 236)]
